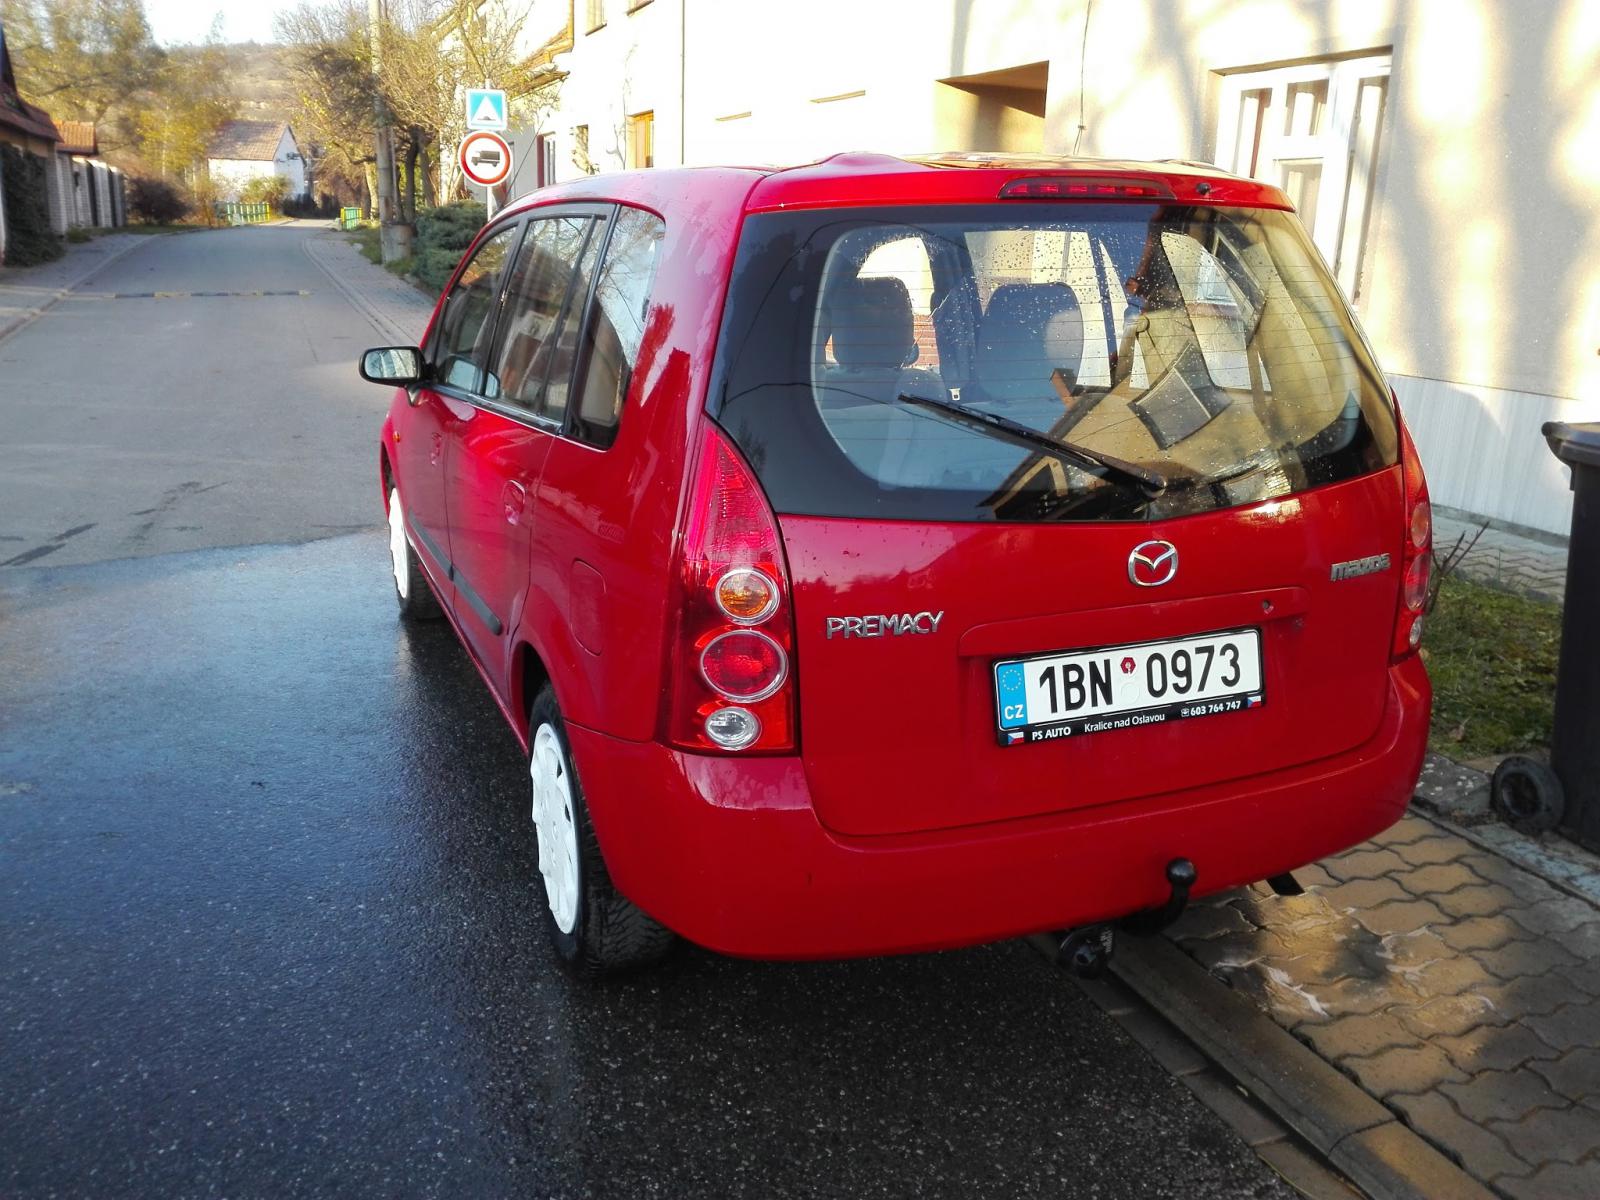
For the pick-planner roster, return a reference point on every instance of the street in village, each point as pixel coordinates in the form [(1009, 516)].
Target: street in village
[(269, 891), (271, 905)]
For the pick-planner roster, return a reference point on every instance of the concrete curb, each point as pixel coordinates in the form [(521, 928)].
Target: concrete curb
[(385, 328), (18, 323), (1356, 1133)]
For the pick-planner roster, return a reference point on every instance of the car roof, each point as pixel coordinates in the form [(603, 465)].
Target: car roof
[(857, 179)]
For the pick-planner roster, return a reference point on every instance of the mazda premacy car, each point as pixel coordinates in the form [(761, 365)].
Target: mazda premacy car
[(884, 555)]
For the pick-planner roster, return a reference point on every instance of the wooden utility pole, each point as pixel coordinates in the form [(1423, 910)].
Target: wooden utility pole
[(394, 237)]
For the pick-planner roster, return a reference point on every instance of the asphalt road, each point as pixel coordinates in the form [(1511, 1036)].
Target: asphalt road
[(268, 896), (168, 406)]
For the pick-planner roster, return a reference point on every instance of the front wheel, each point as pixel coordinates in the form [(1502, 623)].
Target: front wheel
[(593, 927), (416, 598)]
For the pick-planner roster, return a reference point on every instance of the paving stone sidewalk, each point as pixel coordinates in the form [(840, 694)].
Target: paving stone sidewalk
[(1454, 986), (1525, 565), (398, 310), (27, 291)]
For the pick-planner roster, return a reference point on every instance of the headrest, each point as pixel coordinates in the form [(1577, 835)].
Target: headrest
[(1028, 330), (870, 321)]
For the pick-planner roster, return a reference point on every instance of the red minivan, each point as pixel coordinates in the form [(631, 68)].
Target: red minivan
[(884, 555)]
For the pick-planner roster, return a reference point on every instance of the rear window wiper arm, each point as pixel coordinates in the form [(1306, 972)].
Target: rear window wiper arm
[(1144, 477)]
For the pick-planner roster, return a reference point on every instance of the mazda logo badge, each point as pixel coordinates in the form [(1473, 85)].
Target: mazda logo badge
[(1152, 563)]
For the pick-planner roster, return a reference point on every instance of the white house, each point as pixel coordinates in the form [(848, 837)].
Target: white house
[(246, 150), (1444, 154)]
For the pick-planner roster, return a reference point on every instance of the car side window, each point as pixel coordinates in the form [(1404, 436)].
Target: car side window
[(467, 324), (617, 323), (533, 363)]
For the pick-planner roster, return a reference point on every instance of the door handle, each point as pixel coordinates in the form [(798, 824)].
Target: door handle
[(514, 499)]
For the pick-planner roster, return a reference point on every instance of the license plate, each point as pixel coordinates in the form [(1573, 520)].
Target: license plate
[(1127, 687)]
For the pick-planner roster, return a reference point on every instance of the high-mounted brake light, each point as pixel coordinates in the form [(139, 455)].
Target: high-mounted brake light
[(1078, 187), (1416, 551), (731, 675)]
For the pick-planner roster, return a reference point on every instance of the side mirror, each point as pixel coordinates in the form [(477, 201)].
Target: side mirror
[(392, 364)]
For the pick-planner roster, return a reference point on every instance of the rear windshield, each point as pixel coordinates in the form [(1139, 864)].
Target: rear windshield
[(1038, 362)]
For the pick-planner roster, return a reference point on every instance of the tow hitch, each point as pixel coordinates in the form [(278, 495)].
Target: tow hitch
[(1180, 878), (1086, 951)]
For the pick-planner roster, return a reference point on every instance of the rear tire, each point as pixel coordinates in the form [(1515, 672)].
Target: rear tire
[(1527, 795), (594, 928), (411, 587)]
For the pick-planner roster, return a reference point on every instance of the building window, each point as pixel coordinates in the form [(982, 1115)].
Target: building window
[(635, 5), (544, 158), (580, 150), (594, 15), (1314, 130), (642, 140)]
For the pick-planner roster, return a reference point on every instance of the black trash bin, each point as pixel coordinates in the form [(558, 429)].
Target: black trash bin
[(1575, 747)]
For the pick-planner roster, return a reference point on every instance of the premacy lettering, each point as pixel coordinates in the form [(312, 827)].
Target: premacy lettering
[(885, 624)]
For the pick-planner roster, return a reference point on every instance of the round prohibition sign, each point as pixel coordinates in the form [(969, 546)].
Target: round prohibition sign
[(485, 158)]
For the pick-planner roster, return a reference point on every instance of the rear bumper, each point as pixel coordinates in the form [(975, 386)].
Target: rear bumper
[(729, 853)]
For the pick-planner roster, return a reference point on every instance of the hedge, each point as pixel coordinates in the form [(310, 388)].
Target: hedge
[(29, 238)]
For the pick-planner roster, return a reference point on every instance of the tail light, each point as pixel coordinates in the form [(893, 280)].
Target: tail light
[(1416, 554), (732, 687)]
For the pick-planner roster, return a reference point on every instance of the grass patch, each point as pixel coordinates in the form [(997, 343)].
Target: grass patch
[(78, 235), (1492, 657), (365, 239)]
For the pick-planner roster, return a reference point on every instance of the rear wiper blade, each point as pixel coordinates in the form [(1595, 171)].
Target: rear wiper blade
[(1151, 481)]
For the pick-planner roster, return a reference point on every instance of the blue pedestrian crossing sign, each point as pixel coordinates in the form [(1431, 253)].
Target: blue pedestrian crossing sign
[(486, 108)]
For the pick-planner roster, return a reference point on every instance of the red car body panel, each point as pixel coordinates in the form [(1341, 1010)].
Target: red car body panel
[(900, 830), (732, 855)]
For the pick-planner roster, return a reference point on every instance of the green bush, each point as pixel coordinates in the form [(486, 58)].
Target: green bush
[(29, 238), (77, 236), (265, 189), (443, 234), (155, 201)]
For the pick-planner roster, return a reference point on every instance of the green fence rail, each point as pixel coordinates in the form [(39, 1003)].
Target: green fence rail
[(234, 212), (349, 218)]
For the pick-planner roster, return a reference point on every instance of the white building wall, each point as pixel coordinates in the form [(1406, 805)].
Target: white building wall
[(230, 175), (1482, 291)]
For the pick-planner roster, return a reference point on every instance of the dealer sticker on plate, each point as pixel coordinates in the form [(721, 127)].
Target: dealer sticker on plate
[(1125, 687)]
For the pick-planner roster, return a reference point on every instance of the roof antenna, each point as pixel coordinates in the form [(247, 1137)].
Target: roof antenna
[(1083, 68)]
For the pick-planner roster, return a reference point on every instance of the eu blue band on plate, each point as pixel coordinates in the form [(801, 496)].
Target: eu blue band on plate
[(1013, 695)]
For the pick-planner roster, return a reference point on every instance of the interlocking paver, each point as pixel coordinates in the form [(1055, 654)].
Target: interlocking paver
[(1537, 995), (1481, 1151), (1586, 975), (1402, 916), (1436, 878), (1366, 864), (1558, 1181), (1448, 1016), (1355, 1036), (1575, 1074), (1480, 933), (1432, 850), (1526, 957), (1568, 1028), (1480, 900), (1553, 1134), (1210, 922), (1557, 914), (1494, 869), (1581, 941), (1459, 988), (1499, 1048), (1364, 893), (1503, 1095), (1408, 1070)]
